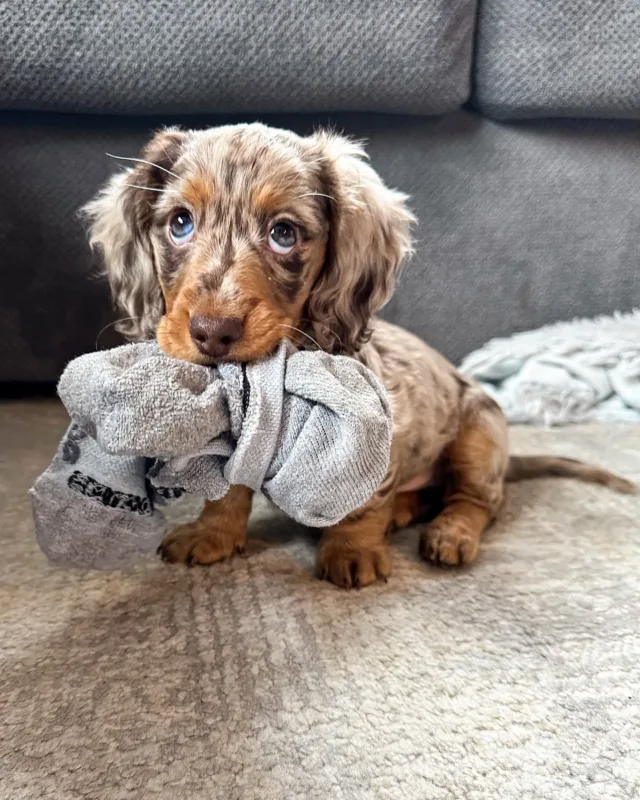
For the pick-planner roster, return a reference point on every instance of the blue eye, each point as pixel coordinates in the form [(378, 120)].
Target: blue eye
[(282, 238), (181, 227)]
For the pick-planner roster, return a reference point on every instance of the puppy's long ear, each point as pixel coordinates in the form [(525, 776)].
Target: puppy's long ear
[(120, 218), (368, 240)]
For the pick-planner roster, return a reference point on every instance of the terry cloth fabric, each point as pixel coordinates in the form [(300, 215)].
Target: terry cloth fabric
[(587, 369), (309, 430)]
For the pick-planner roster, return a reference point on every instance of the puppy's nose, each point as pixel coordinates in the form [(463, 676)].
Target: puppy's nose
[(214, 337)]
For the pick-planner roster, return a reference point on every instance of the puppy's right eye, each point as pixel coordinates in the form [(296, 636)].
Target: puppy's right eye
[(282, 238), (181, 227)]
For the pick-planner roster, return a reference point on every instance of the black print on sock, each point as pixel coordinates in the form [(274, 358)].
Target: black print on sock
[(168, 494), (246, 390), (70, 447), (90, 487)]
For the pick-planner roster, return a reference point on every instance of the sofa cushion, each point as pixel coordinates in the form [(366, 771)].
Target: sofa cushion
[(561, 58), (208, 56)]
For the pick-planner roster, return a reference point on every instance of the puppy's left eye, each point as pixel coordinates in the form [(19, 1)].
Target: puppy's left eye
[(282, 238)]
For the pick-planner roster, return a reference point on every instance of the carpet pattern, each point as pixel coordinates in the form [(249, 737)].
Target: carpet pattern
[(516, 678)]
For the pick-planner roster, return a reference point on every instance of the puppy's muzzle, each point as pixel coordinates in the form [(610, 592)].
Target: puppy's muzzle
[(215, 337)]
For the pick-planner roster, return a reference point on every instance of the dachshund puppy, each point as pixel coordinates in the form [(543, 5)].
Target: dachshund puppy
[(222, 242)]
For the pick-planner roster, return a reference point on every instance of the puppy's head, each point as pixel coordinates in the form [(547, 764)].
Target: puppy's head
[(223, 242)]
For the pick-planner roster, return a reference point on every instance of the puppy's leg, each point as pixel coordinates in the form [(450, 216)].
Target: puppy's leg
[(407, 506), (478, 461), (220, 531), (355, 552), (411, 508)]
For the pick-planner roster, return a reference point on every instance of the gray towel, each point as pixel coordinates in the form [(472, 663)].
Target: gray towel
[(309, 430)]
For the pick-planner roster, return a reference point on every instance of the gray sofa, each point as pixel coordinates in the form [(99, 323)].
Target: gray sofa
[(513, 125)]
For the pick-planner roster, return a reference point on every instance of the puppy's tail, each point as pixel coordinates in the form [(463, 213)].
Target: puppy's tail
[(524, 467)]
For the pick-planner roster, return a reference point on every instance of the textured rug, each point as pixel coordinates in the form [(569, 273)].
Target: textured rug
[(516, 678)]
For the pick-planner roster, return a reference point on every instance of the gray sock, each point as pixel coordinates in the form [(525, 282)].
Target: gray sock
[(93, 509), (310, 430)]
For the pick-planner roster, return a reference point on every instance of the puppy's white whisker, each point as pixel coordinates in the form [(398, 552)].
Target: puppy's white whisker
[(111, 324), (316, 194), (149, 188), (282, 325), (327, 328), (142, 161)]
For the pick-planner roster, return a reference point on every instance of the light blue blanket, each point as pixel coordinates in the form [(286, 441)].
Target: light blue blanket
[(587, 369)]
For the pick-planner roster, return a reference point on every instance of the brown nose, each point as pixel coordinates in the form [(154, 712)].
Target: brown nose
[(214, 337)]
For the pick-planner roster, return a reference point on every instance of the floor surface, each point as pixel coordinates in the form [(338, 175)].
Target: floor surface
[(516, 678)]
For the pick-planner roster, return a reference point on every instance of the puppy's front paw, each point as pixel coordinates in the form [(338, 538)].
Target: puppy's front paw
[(449, 540), (199, 543), (350, 568)]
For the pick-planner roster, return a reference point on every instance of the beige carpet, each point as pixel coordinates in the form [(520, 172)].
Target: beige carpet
[(517, 678)]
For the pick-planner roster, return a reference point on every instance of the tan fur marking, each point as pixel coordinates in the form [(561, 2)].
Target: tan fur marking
[(197, 191), (220, 532), (477, 461), (354, 554), (406, 508), (526, 467), (454, 536), (270, 198)]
